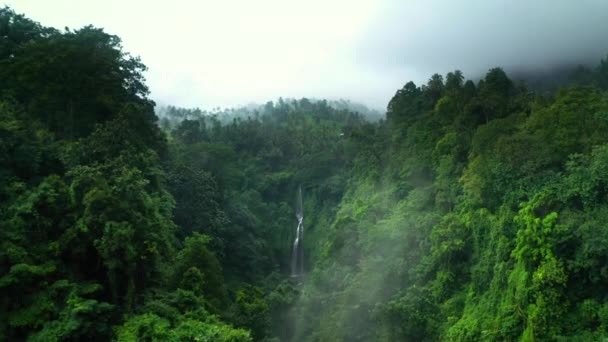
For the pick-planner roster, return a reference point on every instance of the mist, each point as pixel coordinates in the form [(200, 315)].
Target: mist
[(221, 54)]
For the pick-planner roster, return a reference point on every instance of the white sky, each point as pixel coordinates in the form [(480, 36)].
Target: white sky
[(211, 53)]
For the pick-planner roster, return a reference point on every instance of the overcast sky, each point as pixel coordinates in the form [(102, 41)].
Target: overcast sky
[(210, 53)]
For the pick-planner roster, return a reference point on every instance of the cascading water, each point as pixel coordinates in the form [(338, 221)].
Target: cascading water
[(297, 255)]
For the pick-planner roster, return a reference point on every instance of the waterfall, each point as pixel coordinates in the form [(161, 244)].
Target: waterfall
[(297, 254)]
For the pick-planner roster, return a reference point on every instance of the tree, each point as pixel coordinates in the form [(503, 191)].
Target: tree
[(251, 311), (196, 254), (94, 78)]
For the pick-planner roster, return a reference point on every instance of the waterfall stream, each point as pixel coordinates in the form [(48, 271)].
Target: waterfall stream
[(297, 255)]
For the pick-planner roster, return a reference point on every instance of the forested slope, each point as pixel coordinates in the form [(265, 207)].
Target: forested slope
[(89, 249), (473, 211), (477, 213)]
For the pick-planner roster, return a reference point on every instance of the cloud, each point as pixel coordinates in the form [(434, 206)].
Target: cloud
[(440, 35), (212, 53)]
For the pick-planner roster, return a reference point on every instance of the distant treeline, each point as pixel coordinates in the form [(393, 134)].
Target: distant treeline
[(170, 115)]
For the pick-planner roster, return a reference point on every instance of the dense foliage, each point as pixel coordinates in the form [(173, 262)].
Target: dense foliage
[(478, 213), (88, 243), (473, 211)]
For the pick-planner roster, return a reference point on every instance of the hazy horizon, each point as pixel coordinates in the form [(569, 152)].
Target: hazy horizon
[(224, 54)]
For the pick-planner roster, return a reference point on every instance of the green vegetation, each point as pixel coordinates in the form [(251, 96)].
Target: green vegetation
[(473, 211), (478, 213)]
